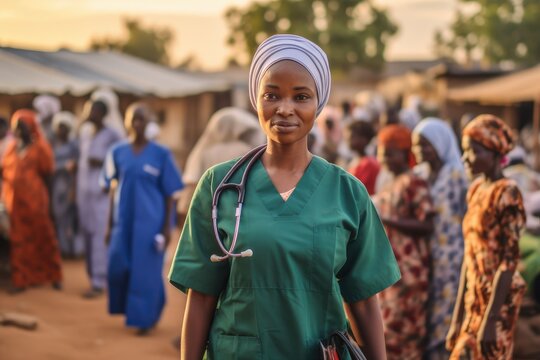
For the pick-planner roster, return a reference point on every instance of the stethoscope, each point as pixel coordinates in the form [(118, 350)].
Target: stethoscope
[(251, 157)]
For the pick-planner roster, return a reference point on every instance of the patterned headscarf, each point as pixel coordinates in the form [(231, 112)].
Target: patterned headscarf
[(29, 118), (296, 48), (442, 138), (491, 132)]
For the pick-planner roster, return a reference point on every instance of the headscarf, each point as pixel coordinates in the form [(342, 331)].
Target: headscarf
[(491, 132), (113, 119), (29, 118), (65, 118), (227, 126), (399, 136), (442, 138), (296, 48), (46, 106)]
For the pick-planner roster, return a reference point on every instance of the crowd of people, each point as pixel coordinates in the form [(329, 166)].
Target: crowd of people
[(364, 217), (85, 189)]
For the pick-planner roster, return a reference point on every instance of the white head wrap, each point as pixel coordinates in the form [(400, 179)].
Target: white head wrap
[(229, 126), (63, 117), (442, 138), (113, 119), (296, 48), (46, 106)]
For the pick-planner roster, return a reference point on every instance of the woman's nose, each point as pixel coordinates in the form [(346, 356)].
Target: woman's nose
[(285, 108)]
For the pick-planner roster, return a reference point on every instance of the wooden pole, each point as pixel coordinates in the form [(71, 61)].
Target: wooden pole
[(536, 133)]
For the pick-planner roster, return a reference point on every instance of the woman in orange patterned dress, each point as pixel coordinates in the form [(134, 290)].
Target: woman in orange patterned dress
[(491, 289), (28, 161), (406, 211)]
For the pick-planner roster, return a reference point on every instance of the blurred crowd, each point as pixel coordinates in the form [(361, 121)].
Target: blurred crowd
[(101, 188)]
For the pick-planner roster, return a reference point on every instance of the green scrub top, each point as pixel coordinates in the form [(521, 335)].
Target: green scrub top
[(325, 244)]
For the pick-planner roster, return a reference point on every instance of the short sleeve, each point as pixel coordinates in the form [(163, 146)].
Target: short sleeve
[(371, 265), (191, 267), (512, 221), (109, 170), (170, 180)]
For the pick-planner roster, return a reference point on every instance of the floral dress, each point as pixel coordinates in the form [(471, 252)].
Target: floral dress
[(491, 227), (403, 305)]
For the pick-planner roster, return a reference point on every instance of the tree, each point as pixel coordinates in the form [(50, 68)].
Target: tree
[(351, 32), (147, 43), (493, 31)]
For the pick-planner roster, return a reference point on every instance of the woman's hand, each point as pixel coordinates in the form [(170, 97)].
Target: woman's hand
[(452, 335), (487, 338)]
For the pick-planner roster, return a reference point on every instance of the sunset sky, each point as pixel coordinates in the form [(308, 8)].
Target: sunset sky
[(198, 24)]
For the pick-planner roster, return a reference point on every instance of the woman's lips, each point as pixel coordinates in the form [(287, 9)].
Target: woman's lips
[(284, 126)]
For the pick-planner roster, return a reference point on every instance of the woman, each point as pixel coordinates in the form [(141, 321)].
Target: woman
[(437, 153), (26, 169), (365, 168), (66, 153), (308, 223), (406, 211), (139, 229), (491, 289)]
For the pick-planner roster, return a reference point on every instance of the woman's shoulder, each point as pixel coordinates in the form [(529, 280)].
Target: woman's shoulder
[(507, 193), (341, 178)]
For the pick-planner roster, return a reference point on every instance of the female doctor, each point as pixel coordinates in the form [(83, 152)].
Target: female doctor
[(314, 236)]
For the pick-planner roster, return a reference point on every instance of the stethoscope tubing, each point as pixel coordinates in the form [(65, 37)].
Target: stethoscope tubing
[(251, 157)]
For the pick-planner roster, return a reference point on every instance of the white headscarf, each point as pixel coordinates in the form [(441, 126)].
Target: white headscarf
[(63, 118), (296, 48), (442, 138), (46, 106), (229, 126), (113, 119)]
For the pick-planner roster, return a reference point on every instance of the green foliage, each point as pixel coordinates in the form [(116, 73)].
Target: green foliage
[(146, 43), (351, 32), (493, 31)]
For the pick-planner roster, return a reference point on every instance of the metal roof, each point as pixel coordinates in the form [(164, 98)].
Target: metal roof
[(517, 87), (63, 71)]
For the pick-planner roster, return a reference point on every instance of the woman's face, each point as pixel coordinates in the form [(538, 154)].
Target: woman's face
[(476, 158), (287, 102), (62, 132), (393, 158), (138, 122), (22, 131), (357, 142), (423, 150)]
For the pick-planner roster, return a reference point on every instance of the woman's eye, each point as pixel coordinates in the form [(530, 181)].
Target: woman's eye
[(302, 97), (269, 96)]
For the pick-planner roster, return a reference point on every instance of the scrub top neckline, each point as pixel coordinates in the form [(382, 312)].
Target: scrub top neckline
[(303, 191), (141, 151)]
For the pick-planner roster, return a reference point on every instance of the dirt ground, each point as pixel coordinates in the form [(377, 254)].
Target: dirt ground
[(71, 327)]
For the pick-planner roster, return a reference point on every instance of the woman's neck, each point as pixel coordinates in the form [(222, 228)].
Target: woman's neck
[(139, 141), (291, 157), (494, 175)]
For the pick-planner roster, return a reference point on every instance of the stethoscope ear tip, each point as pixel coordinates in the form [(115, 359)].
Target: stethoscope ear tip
[(215, 258)]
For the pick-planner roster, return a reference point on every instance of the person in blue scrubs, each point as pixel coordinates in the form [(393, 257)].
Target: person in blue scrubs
[(319, 249), (141, 177)]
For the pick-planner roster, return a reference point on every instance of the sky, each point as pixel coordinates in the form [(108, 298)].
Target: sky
[(198, 25)]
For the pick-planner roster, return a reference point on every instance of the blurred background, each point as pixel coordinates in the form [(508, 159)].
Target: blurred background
[(187, 59)]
